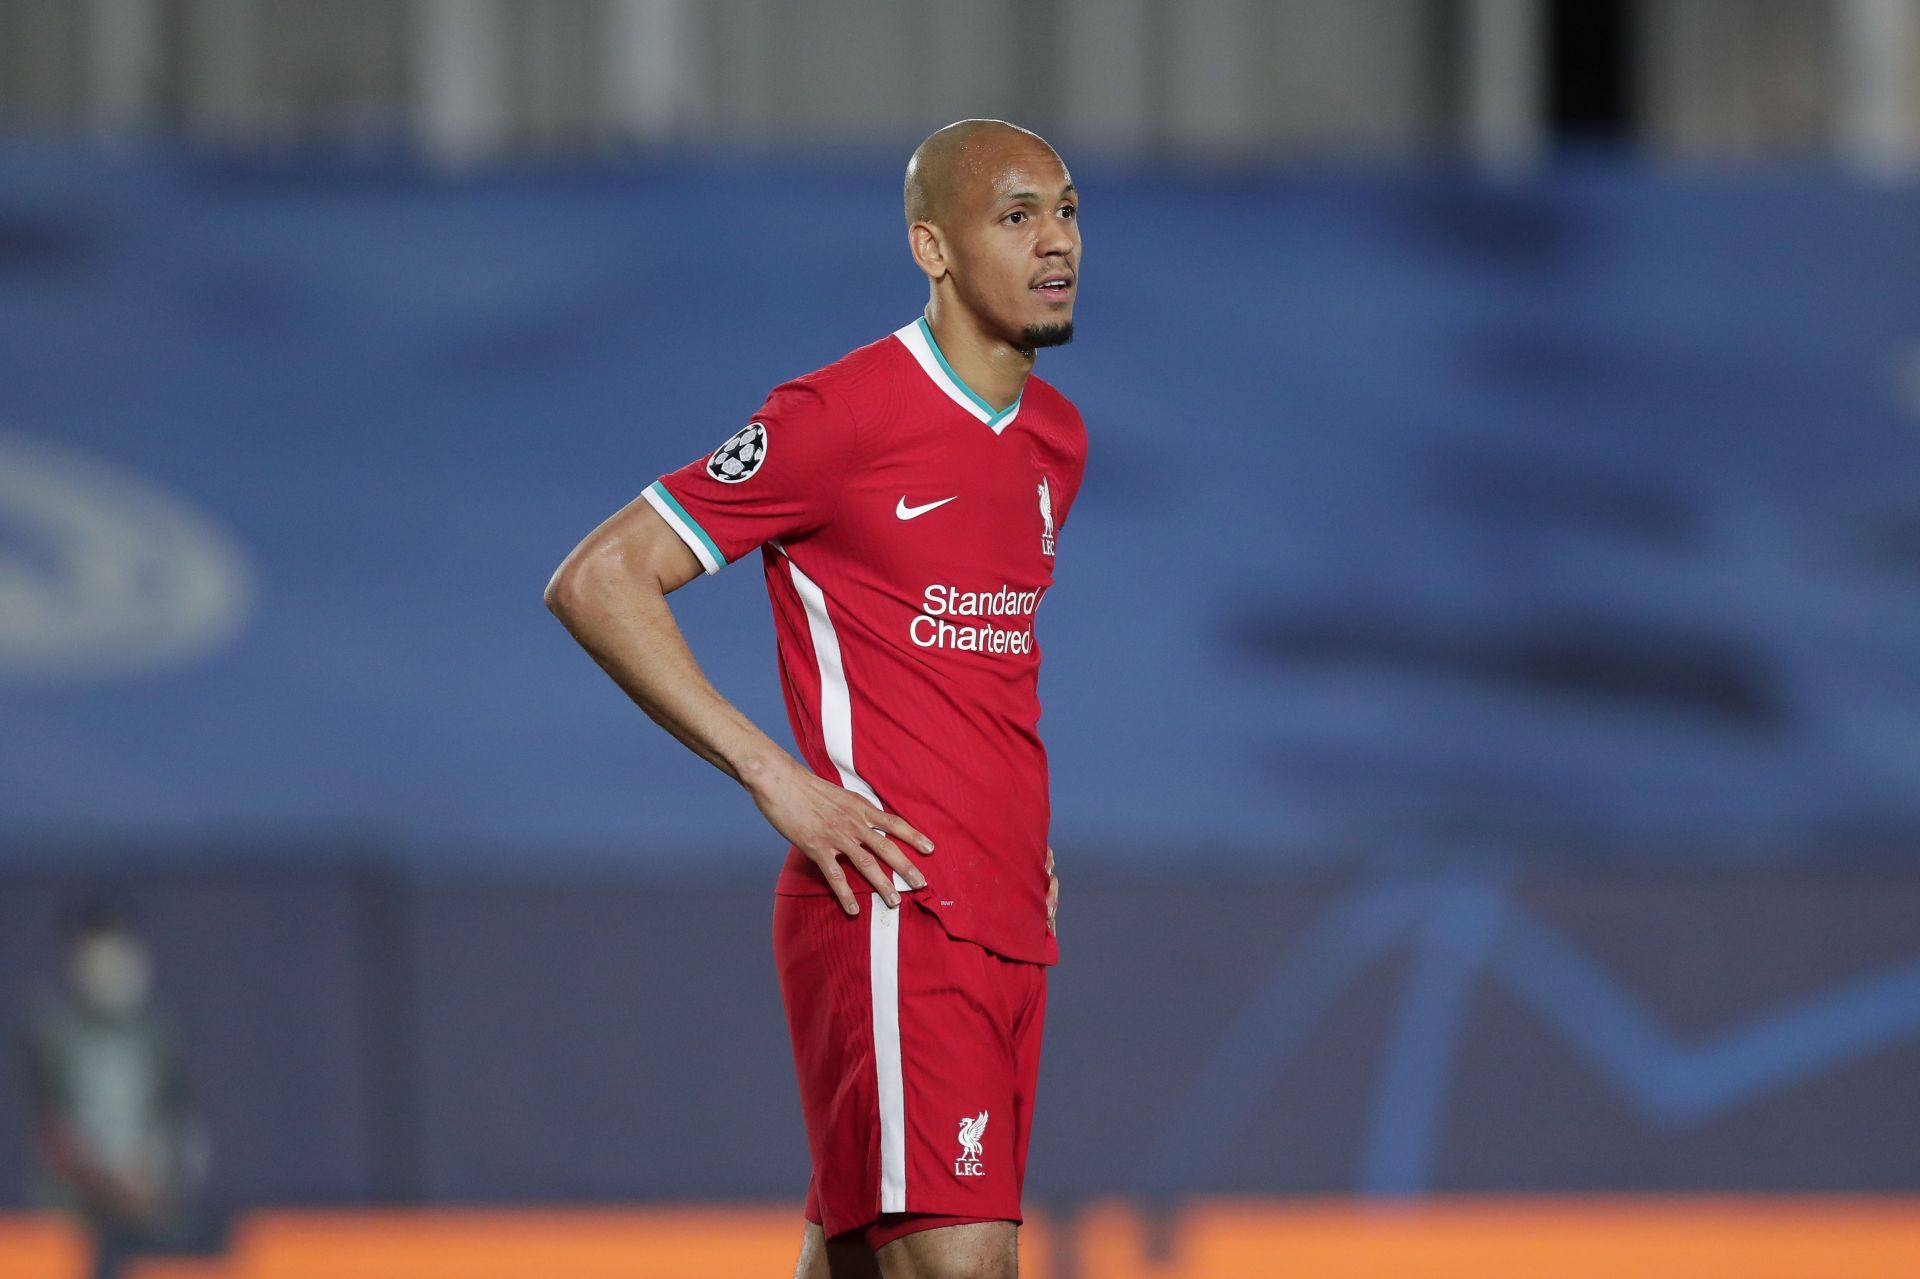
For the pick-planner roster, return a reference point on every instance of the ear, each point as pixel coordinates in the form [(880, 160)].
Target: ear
[(929, 250)]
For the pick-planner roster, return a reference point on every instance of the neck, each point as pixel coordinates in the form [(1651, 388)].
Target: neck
[(995, 368)]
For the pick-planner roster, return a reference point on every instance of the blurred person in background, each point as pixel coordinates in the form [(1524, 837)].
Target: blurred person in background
[(907, 502), (118, 1140)]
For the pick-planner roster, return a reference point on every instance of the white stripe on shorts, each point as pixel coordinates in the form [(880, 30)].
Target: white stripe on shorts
[(884, 966)]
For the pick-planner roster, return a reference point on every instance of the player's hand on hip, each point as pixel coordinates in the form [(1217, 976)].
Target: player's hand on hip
[(1053, 891), (829, 823)]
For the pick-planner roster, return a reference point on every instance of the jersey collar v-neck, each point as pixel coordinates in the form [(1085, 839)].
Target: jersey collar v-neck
[(918, 338)]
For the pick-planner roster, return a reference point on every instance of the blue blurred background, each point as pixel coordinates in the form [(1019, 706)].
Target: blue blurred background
[(1482, 680)]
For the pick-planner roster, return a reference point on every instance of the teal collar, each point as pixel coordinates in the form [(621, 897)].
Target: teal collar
[(918, 338)]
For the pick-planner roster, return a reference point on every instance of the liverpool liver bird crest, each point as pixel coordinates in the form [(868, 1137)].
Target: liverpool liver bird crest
[(970, 1131)]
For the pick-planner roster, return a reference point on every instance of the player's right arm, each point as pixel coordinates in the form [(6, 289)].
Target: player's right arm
[(611, 594)]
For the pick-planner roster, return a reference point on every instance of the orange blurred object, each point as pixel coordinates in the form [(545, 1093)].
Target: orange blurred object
[(1596, 1238)]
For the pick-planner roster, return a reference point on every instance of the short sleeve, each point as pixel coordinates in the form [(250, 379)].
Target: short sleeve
[(1077, 469), (778, 477)]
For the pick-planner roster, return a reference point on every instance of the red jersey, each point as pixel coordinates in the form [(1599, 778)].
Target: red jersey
[(908, 531)]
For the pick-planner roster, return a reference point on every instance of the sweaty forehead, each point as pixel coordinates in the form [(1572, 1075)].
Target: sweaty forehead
[(1022, 165)]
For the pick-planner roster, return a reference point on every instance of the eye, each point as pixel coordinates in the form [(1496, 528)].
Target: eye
[(1018, 215), (1070, 211)]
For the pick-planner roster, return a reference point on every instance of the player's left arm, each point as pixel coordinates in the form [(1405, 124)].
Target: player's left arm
[(1066, 508), (1053, 891)]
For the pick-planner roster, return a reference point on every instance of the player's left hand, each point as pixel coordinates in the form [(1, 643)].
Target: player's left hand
[(1053, 892)]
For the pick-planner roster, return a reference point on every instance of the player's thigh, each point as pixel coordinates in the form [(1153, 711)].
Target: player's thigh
[(979, 1250), (846, 1258)]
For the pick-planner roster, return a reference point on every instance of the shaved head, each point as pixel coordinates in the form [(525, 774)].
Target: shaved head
[(947, 163), (993, 220)]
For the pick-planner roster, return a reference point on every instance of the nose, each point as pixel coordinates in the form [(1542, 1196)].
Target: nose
[(1056, 238)]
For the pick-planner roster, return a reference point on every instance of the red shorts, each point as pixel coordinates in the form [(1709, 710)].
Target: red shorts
[(917, 1056)]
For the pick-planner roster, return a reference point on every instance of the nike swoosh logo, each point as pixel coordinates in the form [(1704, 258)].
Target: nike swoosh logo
[(906, 512)]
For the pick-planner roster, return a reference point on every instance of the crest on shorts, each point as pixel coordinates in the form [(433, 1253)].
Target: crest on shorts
[(971, 1130), (740, 456)]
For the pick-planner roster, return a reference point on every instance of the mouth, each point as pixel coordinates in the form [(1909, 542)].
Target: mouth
[(1057, 287)]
